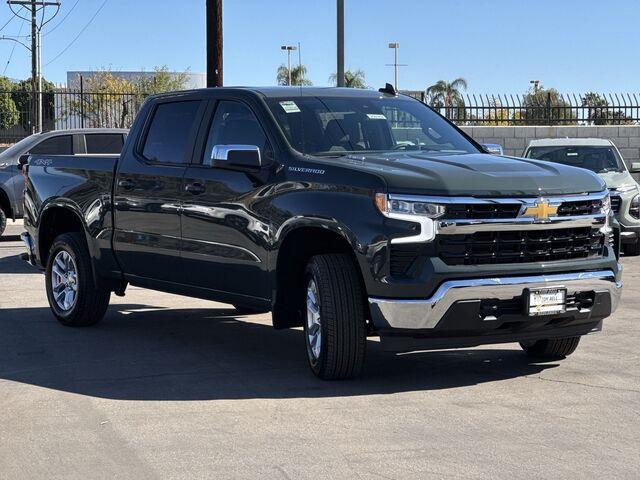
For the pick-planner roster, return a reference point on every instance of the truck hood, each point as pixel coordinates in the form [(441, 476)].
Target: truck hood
[(474, 175), (617, 179)]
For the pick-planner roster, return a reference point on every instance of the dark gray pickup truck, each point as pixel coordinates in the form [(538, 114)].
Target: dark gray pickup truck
[(351, 213)]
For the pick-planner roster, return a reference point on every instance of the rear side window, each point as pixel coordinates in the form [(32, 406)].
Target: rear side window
[(61, 145), (169, 133), (104, 143)]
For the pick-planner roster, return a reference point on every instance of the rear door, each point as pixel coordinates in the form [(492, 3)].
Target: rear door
[(224, 238), (148, 191)]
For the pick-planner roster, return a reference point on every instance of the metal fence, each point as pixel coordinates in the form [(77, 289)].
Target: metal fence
[(65, 108), (538, 108)]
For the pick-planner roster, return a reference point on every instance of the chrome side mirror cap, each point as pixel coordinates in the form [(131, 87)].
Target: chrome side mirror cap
[(635, 167), (236, 155)]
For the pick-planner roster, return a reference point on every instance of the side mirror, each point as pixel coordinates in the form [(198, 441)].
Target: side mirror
[(494, 148), (23, 160), (246, 156), (635, 167)]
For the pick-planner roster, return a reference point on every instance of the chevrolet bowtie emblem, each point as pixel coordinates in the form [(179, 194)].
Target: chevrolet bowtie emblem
[(541, 210)]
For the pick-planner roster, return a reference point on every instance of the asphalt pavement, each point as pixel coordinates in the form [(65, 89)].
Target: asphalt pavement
[(173, 387)]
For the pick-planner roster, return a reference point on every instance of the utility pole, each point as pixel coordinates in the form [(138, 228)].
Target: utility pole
[(214, 43), (340, 52), (33, 6)]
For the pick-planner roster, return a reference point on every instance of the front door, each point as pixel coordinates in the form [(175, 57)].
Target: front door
[(148, 193), (224, 239)]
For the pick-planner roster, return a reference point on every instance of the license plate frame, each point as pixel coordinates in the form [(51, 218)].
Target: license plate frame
[(545, 301)]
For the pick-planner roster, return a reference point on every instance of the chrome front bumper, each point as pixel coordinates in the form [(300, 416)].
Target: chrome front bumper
[(427, 313), (28, 242)]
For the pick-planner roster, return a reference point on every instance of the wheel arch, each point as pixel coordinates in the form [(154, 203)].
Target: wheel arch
[(5, 204), (296, 244)]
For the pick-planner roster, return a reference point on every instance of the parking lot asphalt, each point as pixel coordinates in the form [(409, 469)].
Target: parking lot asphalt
[(173, 387)]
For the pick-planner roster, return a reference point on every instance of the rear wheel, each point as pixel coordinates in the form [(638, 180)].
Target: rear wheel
[(3, 221), (74, 298), (334, 327), (551, 348), (632, 249)]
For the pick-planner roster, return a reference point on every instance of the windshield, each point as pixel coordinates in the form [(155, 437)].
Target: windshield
[(17, 148), (596, 159), (336, 126)]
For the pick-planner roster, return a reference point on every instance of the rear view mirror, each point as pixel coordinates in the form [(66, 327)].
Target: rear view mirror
[(23, 160), (635, 167), (247, 156)]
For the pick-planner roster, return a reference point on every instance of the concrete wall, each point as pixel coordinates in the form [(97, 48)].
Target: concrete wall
[(515, 139)]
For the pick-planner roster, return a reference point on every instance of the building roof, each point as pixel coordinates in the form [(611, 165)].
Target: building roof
[(571, 142)]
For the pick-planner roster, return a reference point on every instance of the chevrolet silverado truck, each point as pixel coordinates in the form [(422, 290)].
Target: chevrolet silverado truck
[(91, 141), (351, 213), (602, 157)]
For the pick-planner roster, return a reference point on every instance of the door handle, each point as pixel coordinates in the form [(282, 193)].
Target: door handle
[(126, 184), (195, 188)]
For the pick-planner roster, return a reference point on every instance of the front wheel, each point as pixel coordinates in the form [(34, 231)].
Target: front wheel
[(74, 298), (334, 328), (551, 348)]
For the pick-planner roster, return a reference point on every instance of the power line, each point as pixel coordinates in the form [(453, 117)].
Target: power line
[(63, 18), (12, 50), (8, 22), (78, 35)]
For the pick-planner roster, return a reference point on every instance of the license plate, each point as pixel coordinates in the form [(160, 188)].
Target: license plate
[(545, 301)]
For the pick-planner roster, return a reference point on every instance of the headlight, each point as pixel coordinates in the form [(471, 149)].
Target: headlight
[(634, 207), (390, 205), (414, 211)]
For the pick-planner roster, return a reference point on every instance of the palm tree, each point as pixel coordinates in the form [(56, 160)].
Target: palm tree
[(298, 75), (446, 94), (351, 79)]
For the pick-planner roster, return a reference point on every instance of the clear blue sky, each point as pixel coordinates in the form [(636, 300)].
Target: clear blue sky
[(497, 45)]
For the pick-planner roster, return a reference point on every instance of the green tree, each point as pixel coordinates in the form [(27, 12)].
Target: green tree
[(9, 115), (162, 80), (545, 106), (23, 98), (448, 95), (599, 113), (352, 79), (298, 75)]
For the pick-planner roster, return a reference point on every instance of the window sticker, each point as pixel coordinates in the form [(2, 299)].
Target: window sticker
[(290, 106), (376, 116)]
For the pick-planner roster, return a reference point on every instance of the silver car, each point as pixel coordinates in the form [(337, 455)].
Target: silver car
[(98, 141), (602, 157)]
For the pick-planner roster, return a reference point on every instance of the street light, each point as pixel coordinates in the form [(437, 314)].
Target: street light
[(395, 46), (289, 49)]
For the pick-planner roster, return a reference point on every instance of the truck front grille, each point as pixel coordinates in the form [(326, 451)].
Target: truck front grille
[(582, 207), (480, 211), (520, 246), (615, 203)]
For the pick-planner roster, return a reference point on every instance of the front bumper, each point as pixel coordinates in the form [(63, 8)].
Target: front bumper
[(28, 242), (466, 297), (629, 233)]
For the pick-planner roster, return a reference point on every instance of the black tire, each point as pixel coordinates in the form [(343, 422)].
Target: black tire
[(631, 249), (342, 317), (91, 302), (551, 348), (3, 221), (249, 310)]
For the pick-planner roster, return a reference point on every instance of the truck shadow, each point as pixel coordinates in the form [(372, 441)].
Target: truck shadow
[(146, 353), (15, 264)]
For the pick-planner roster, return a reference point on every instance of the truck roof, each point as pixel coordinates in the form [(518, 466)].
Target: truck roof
[(571, 142), (286, 91)]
